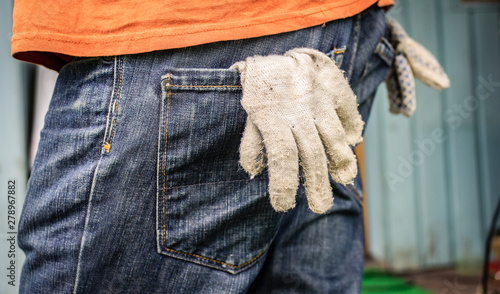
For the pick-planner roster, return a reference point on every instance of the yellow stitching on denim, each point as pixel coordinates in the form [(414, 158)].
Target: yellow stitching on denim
[(107, 145), (207, 86), (169, 96), (337, 51), (216, 261)]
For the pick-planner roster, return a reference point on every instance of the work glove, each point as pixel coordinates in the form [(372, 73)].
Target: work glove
[(301, 110), (411, 60)]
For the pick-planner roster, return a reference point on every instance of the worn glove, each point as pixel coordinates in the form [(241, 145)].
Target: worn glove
[(299, 106), (411, 60)]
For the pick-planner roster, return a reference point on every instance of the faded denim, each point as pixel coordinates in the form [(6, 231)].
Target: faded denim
[(136, 186)]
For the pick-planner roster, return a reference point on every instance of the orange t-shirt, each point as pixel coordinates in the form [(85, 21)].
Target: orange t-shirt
[(51, 32)]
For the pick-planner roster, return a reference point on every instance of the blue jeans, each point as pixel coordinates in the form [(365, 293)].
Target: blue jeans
[(136, 187)]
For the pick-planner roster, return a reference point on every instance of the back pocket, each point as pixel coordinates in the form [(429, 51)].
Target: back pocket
[(209, 211)]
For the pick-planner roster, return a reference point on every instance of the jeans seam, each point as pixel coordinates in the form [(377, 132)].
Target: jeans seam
[(90, 198), (217, 261), (357, 196), (107, 144), (85, 229)]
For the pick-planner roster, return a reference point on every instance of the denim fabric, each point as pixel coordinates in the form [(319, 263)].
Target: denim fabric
[(136, 186)]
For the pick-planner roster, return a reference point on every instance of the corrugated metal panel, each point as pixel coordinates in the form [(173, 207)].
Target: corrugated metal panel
[(433, 179)]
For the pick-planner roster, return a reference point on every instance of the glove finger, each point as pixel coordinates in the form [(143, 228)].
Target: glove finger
[(342, 161), (282, 162), (332, 83), (406, 84), (347, 110), (425, 66), (252, 156), (341, 98), (393, 92), (314, 166)]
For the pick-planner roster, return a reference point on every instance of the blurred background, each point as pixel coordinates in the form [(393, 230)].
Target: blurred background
[(432, 181)]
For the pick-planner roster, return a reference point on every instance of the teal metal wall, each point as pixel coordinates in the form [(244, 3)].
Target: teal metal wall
[(13, 160), (433, 180)]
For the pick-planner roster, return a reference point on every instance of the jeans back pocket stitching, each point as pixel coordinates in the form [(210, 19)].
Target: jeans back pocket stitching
[(167, 84), (169, 97), (205, 86), (217, 261)]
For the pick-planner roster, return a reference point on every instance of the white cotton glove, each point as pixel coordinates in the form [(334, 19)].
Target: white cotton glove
[(411, 60), (299, 106)]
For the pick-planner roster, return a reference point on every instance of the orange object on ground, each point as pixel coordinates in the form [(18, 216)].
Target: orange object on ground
[(53, 32)]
